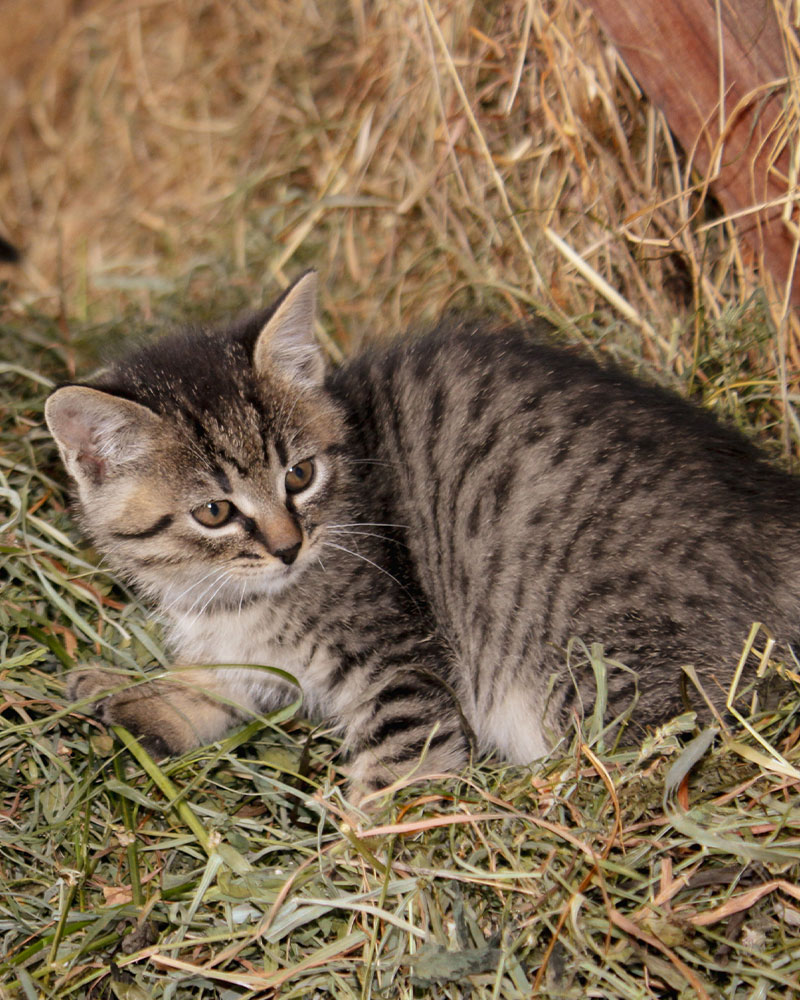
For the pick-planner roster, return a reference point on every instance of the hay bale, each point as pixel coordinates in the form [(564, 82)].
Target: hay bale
[(418, 155)]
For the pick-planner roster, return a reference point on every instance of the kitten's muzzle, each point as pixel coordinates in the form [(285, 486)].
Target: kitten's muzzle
[(281, 536)]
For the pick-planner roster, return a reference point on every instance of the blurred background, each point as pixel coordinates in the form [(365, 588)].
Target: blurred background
[(181, 158)]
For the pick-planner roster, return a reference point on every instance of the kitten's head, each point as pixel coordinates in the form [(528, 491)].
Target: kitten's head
[(208, 463)]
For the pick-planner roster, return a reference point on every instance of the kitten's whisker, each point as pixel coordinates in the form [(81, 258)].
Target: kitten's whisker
[(358, 555), (371, 461), (288, 417), (222, 582), (202, 579), (221, 574), (241, 598), (366, 534), (368, 524), (183, 593)]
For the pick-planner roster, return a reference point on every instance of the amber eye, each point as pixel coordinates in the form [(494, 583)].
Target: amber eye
[(214, 514), (300, 476)]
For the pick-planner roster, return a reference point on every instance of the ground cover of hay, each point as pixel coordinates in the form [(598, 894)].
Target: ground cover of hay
[(169, 161)]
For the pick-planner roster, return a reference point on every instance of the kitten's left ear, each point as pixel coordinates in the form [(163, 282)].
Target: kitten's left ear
[(286, 343)]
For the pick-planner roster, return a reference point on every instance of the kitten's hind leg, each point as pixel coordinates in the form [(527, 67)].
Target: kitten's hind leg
[(180, 711), (409, 724)]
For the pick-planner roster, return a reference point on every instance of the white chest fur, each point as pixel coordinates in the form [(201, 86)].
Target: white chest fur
[(254, 636), (250, 635)]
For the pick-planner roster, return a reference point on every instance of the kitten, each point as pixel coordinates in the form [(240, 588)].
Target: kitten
[(416, 535)]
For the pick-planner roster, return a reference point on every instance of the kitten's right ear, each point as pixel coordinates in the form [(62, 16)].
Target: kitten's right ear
[(96, 432), (286, 343)]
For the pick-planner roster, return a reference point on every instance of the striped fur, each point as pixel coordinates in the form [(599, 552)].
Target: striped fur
[(478, 498)]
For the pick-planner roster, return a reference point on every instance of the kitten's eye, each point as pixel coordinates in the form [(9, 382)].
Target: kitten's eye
[(300, 476), (214, 514)]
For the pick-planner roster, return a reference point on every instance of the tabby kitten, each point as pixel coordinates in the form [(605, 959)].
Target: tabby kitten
[(416, 535)]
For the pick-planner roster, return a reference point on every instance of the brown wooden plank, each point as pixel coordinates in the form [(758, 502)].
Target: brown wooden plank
[(672, 49)]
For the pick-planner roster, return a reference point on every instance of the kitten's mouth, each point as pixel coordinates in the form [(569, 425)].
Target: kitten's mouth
[(268, 573)]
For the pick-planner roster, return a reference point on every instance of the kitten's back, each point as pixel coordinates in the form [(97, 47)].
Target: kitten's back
[(547, 497)]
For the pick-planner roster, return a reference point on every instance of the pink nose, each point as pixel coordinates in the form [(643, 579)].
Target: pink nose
[(281, 536)]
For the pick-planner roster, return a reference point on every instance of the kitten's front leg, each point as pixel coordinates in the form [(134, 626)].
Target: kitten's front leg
[(410, 721), (171, 715)]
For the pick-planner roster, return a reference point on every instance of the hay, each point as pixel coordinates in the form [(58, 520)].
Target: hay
[(415, 155)]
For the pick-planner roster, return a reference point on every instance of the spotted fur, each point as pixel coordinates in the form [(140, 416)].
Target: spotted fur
[(478, 498)]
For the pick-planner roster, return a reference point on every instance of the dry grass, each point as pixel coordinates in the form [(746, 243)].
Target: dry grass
[(419, 157), (164, 160), (239, 872)]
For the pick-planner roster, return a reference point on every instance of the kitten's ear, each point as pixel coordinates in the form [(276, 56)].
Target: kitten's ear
[(97, 432), (286, 342)]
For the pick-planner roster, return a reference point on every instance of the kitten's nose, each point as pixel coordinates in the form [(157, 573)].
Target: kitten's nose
[(288, 556), (282, 537)]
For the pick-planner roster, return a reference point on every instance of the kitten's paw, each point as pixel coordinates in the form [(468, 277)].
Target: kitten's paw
[(370, 779), (144, 709), (366, 779), (90, 681)]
